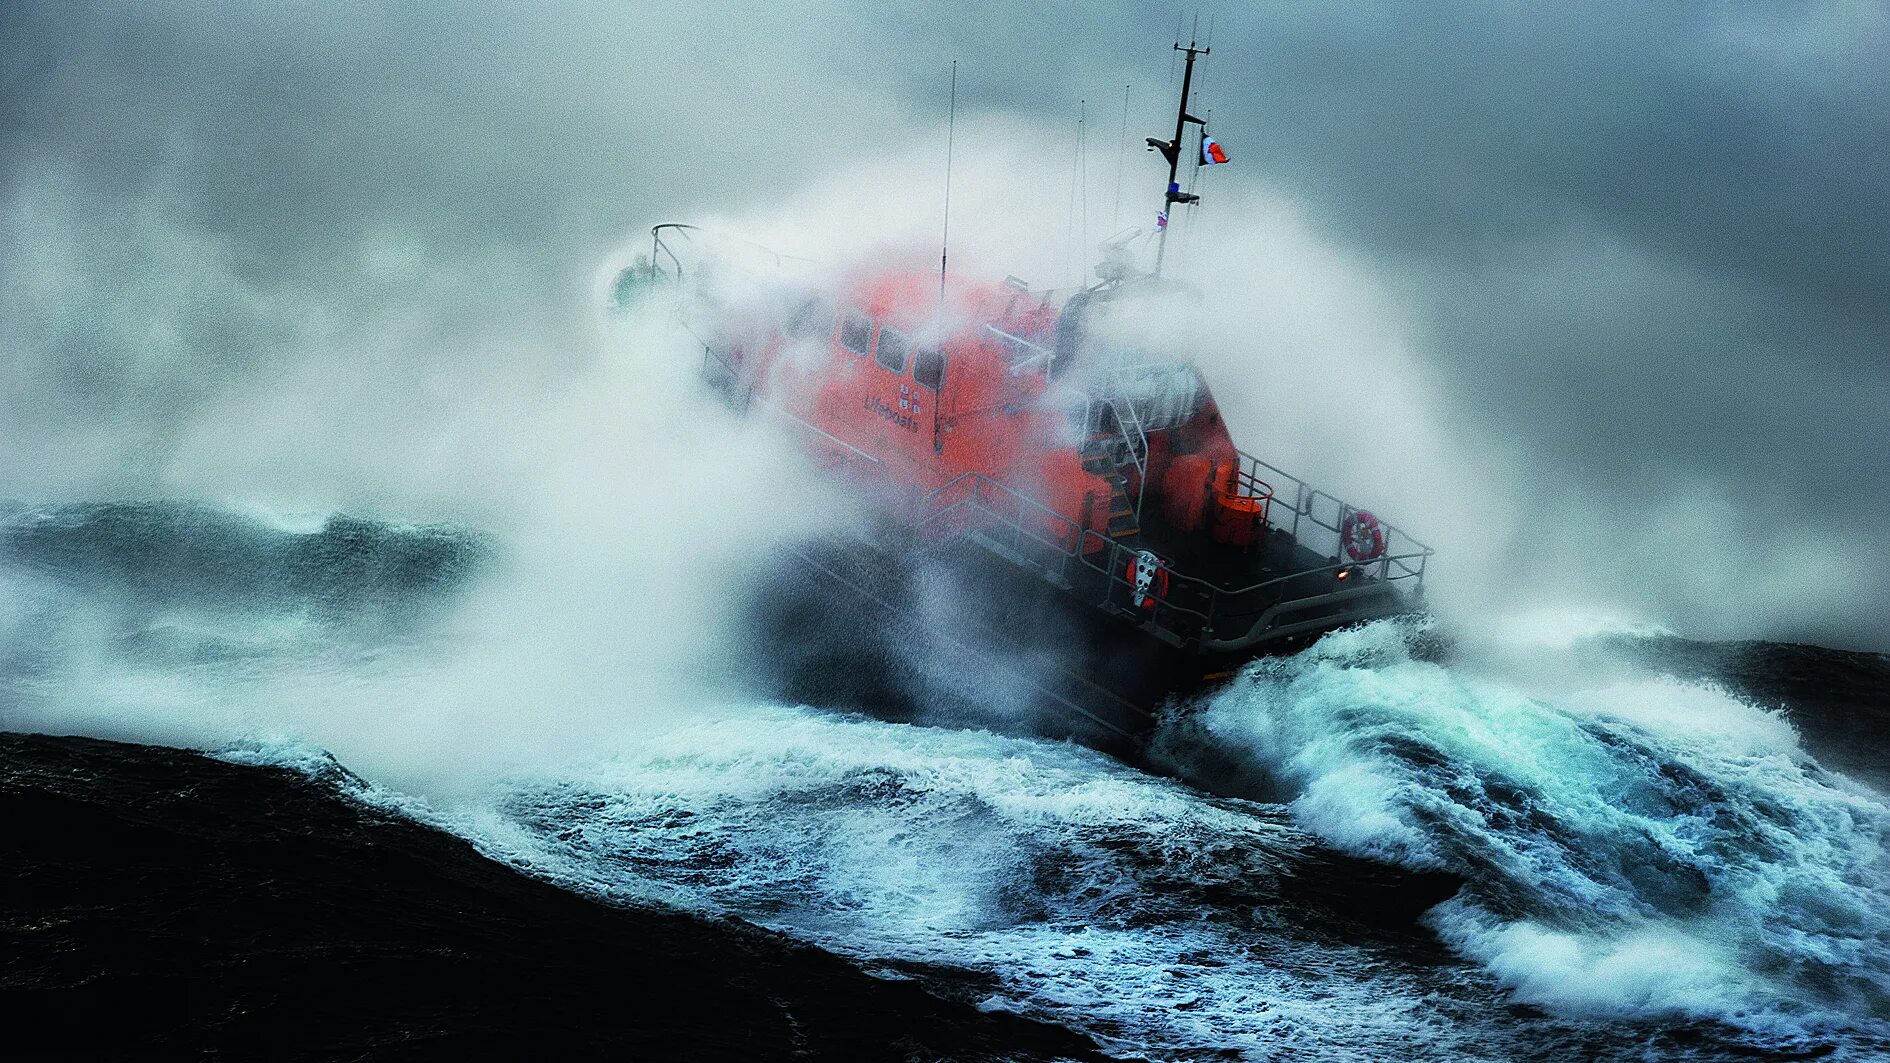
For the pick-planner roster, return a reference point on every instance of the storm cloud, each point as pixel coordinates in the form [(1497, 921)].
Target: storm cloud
[(1635, 260)]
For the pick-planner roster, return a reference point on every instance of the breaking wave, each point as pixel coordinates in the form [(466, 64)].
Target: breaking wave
[(1651, 866), (1639, 847), (1045, 878), (188, 557)]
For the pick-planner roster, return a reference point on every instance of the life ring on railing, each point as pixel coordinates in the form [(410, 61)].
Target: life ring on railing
[(1148, 578), (1362, 536)]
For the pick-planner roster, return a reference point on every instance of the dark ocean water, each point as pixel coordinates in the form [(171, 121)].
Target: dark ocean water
[(160, 903), (1643, 847)]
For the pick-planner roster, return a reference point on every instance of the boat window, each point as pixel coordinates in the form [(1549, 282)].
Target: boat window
[(814, 318), (892, 349), (856, 332), (928, 368)]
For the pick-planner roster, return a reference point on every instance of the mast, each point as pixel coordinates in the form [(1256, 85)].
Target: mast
[(1172, 151)]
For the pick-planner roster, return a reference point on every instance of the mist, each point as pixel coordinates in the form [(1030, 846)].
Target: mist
[(1592, 301), (345, 258)]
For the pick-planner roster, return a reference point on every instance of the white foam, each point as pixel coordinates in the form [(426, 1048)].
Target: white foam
[(1641, 848), (1644, 846), (1560, 629), (1646, 968), (1133, 907), (1128, 906)]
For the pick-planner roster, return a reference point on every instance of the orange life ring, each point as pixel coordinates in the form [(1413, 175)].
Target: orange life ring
[(1362, 536), (1148, 579)]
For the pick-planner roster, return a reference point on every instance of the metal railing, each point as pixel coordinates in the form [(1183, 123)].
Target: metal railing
[(659, 244), (1192, 610), (1131, 441), (973, 502), (1316, 519), (1024, 355), (1161, 392), (1139, 399)]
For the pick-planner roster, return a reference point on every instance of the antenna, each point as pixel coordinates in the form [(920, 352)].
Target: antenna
[(1171, 55), (944, 249), (1082, 177), (1122, 156), (1068, 251), (945, 238), (1197, 180)]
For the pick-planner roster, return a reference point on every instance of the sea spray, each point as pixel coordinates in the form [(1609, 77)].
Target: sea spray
[(1641, 847), (1040, 876), (1071, 886)]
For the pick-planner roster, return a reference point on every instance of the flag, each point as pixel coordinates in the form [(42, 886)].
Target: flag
[(1161, 221), (1211, 153)]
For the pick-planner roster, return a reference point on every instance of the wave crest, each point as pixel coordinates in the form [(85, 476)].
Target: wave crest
[(1638, 847)]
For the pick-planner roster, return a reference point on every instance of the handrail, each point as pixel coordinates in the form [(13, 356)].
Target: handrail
[(1124, 391), (1138, 450), (1251, 605), (1381, 561), (1117, 575), (1042, 354), (1019, 497), (657, 244), (771, 406), (1305, 504), (684, 227), (1335, 569), (812, 427)]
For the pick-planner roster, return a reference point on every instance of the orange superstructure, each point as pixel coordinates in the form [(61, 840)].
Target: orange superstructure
[(918, 388)]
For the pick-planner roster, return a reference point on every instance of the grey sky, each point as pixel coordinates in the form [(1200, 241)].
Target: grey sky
[(1643, 249)]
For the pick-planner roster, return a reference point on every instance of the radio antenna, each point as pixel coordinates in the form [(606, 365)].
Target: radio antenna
[(945, 238), (944, 249), (1078, 232), (1122, 156)]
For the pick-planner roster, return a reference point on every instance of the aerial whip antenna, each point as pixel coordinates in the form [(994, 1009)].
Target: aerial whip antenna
[(1077, 234), (944, 248), (1122, 156), (945, 238), (1082, 155)]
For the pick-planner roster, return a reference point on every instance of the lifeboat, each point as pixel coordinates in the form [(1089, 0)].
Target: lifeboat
[(1084, 492)]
